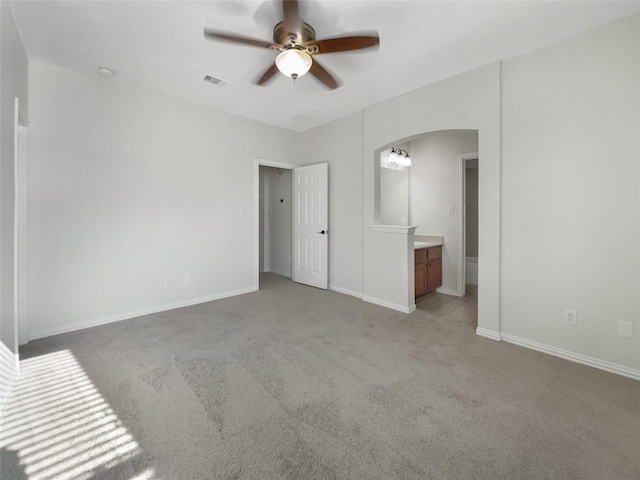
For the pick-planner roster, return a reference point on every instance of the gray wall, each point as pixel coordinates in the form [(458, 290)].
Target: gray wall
[(571, 193), (339, 143), (128, 188)]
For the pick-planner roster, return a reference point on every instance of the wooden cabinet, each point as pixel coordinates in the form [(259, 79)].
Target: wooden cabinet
[(428, 270), (421, 279)]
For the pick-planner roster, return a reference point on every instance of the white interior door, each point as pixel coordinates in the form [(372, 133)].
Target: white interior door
[(310, 227)]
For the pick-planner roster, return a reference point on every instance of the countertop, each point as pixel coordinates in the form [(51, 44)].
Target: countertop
[(433, 243), (427, 241)]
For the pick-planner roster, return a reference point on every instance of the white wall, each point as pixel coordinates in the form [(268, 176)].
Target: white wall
[(278, 220), (571, 193), (128, 188), (435, 184), (13, 83), (469, 101), (339, 143)]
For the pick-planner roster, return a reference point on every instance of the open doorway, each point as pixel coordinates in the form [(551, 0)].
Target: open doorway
[(275, 231), (273, 218), (469, 169)]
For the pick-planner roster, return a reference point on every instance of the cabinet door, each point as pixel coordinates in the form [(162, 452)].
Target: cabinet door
[(434, 274), (421, 280)]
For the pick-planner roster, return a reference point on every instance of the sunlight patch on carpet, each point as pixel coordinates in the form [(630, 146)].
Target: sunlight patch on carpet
[(61, 427)]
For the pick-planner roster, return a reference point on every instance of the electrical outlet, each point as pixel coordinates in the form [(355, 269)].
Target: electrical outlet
[(187, 279), (450, 210), (625, 329), (168, 282), (570, 317), (346, 270), (403, 221)]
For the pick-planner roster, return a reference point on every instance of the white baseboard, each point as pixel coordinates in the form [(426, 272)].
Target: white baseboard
[(448, 291), (393, 306), (572, 356), (279, 272), (9, 368), (71, 327), (345, 291), (483, 332)]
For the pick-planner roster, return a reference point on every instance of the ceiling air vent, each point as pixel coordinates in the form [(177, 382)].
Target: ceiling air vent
[(214, 80)]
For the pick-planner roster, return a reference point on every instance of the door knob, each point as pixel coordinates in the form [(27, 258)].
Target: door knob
[(321, 232)]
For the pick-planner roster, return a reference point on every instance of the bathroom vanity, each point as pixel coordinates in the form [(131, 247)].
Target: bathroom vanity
[(428, 267)]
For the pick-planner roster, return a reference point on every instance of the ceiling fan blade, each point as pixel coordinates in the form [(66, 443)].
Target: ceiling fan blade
[(271, 71), (342, 44), (292, 22), (227, 37), (321, 74)]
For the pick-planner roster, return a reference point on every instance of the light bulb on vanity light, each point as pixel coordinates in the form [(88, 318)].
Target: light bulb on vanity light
[(393, 157)]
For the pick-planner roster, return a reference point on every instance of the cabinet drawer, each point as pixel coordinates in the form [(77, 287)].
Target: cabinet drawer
[(434, 253), (420, 256)]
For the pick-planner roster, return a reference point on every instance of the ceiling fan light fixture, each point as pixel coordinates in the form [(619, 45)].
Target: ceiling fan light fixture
[(294, 63)]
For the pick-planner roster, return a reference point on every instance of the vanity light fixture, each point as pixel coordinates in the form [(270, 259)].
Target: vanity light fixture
[(399, 158)]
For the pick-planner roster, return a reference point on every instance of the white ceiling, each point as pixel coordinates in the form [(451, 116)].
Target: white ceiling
[(159, 46)]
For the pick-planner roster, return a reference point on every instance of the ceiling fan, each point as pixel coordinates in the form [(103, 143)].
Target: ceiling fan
[(296, 41)]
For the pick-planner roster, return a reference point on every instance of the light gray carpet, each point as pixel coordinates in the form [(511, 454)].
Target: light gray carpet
[(292, 382)]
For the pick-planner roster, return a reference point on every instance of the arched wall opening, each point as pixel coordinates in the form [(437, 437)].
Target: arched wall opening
[(470, 101), (429, 197)]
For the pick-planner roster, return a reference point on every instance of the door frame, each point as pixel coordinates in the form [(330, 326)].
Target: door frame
[(20, 292), (462, 217), (257, 163)]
